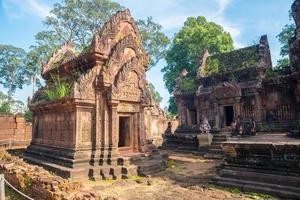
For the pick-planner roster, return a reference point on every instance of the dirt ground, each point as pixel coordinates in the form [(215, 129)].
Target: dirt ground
[(185, 179)]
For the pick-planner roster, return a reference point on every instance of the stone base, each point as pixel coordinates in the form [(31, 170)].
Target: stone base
[(95, 165), (268, 163), (181, 142), (204, 141)]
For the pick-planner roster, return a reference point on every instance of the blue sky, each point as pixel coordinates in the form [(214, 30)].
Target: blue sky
[(246, 20)]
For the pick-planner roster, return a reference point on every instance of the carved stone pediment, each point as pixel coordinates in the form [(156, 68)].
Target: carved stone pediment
[(227, 90), (116, 29), (129, 83), (64, 54)]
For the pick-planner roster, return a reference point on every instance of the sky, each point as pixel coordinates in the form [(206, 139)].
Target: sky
[(245, 20)]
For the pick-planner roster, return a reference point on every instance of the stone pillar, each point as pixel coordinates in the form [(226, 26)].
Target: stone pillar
[(217, 115), (198, 110), (113, 128), (259, 112), (188, 114), (142, 129), (237, 107), (297, 94), (96, 143)]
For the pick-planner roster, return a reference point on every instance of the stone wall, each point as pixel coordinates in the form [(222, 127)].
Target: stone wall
[(14, 131), (38, 183)]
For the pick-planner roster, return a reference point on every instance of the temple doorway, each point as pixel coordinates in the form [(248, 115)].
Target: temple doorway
[(124, 132), (228, 115)]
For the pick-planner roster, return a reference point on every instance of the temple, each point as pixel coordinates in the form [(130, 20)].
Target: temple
[(242, 89), (254, 117), (104, 121)]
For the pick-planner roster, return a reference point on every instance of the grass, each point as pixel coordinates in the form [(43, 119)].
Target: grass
[(258, 196), (10, 194), (174, 166)]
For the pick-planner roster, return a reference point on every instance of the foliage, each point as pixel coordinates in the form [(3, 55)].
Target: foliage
[(284, 37), (212, 66), (77, 21), (154, 40), (11, 68), (196, 35), (5, 107), (58, 88), (10, 105), (188, 85), (155, 94), (172, 108), (34, 59), (28, 116)]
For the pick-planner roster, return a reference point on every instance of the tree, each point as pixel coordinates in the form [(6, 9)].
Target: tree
[(284, 37), (154, 40), (10, 105), (172, 108), (155, 95), (77, 21), (12, 68), (196, 35), (34, 59)]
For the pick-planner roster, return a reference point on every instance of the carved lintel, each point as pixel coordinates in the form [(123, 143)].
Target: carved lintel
[(128, 107)]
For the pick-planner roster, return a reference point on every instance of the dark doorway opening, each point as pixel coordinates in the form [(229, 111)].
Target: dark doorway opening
[(193, 115), (228, 115), (124, 132)]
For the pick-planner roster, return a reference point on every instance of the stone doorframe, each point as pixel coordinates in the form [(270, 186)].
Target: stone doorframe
[(227, 94), (133, 131)]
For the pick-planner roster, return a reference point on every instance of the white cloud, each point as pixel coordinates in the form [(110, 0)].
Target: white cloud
[(20, 9), (213, 12)]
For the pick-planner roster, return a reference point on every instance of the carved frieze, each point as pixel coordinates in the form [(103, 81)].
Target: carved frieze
[(226, 90), (85, 87), (128, 107)]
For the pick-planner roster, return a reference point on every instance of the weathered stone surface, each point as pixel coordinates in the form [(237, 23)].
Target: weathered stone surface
[(109, 112), (15, 132), (38, 183), (268, 163)]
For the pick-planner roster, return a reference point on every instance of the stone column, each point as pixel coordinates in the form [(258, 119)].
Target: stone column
[(198, 110), (259, 112), (188, 114), (237, 107), (217, 115), (142, 129), (113, 128), (96, 144)]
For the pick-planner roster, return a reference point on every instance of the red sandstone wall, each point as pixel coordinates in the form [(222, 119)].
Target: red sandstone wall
[(14, 129)]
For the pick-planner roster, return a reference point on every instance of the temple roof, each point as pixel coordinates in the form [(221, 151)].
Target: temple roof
[(239, 58), (257, 55)]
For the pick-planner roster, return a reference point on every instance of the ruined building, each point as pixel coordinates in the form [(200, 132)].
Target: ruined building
[(243, 89), (96, 129)]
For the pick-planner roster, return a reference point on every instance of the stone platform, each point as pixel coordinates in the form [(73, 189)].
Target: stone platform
[(267, 163), (119, 167)]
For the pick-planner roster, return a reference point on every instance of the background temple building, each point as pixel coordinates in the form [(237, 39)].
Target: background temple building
[(107, 115), (241, 89)]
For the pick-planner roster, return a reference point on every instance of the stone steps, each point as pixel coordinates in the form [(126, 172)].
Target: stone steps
[(215, 150), (264, 176), (251, 186)]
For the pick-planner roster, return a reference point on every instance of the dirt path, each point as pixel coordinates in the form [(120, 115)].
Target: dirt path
[(185, 179)]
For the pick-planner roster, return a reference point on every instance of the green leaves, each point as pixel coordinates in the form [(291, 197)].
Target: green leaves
[(154, 40), (58, 88), (196, 35), (155, 95), (12, 68), (188, 84)]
